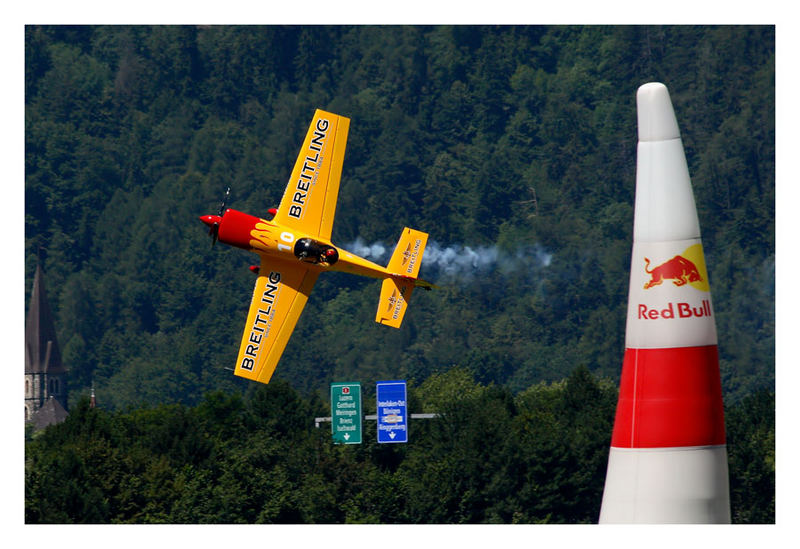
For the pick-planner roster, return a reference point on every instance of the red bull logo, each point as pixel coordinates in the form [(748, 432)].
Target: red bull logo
[(670, 297), (679, 270)]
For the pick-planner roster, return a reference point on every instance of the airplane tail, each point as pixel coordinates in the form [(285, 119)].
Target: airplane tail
[(404, 266)]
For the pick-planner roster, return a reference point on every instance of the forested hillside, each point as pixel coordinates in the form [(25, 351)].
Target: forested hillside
[(514, 147), (492, 457)]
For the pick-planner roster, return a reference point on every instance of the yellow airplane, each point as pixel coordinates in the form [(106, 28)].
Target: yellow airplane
[(295, 248)]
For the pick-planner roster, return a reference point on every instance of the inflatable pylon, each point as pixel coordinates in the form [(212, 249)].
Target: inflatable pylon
[(668, 461)]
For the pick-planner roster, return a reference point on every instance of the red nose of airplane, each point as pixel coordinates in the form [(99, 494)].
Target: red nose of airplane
[(210, 220)]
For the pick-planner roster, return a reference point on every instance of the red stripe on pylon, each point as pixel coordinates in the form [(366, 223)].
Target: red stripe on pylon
[(669, 398)]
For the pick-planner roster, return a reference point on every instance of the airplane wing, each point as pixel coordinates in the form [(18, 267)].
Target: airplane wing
[(309, 202), (279, 296)]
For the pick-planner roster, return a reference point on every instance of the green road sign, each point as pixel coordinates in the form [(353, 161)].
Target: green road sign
[(346, 413)]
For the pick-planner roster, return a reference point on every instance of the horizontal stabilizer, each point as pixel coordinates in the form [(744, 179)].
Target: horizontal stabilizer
[(407, 256), (395, 293), (404, 266)]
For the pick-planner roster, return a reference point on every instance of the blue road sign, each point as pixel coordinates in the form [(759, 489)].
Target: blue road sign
[(392, 411)]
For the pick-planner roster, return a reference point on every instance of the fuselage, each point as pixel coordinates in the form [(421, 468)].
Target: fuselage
[(269, 239)]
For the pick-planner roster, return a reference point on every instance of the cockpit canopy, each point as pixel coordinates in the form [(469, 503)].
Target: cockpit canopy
[(311, 251)]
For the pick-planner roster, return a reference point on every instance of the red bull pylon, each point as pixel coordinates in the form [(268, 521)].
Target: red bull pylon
[(668, 461)]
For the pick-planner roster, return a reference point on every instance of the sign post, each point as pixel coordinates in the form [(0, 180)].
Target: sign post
[(346, 413), (392, 411)]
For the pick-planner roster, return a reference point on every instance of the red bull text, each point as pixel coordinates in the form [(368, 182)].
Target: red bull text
[(683, 310)]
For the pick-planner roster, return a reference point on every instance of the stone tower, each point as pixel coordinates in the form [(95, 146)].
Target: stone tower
[(45, 375)]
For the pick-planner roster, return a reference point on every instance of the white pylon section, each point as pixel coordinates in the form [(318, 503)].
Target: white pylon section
[(668, 460), (685, 485), (664, 208)]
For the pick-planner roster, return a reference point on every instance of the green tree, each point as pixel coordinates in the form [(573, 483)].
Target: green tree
[(750, 427)]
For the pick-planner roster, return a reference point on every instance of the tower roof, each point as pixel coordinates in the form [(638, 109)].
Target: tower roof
[(42, 354), (50, 413)]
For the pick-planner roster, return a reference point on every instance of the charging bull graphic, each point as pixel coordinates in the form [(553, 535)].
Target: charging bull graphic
[(678, 269)]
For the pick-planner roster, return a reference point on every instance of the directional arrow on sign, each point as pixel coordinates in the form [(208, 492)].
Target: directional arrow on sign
[(347, 436), (392, 435)]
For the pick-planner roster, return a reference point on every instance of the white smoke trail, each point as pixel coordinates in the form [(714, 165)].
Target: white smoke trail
[(458, 261), (374, 252)]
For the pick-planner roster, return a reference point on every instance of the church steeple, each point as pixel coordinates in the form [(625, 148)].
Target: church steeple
[(45, 375)]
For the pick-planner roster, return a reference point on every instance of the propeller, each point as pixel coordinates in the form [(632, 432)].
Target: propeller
[(222, 207), (213, 232), (213, 221)]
